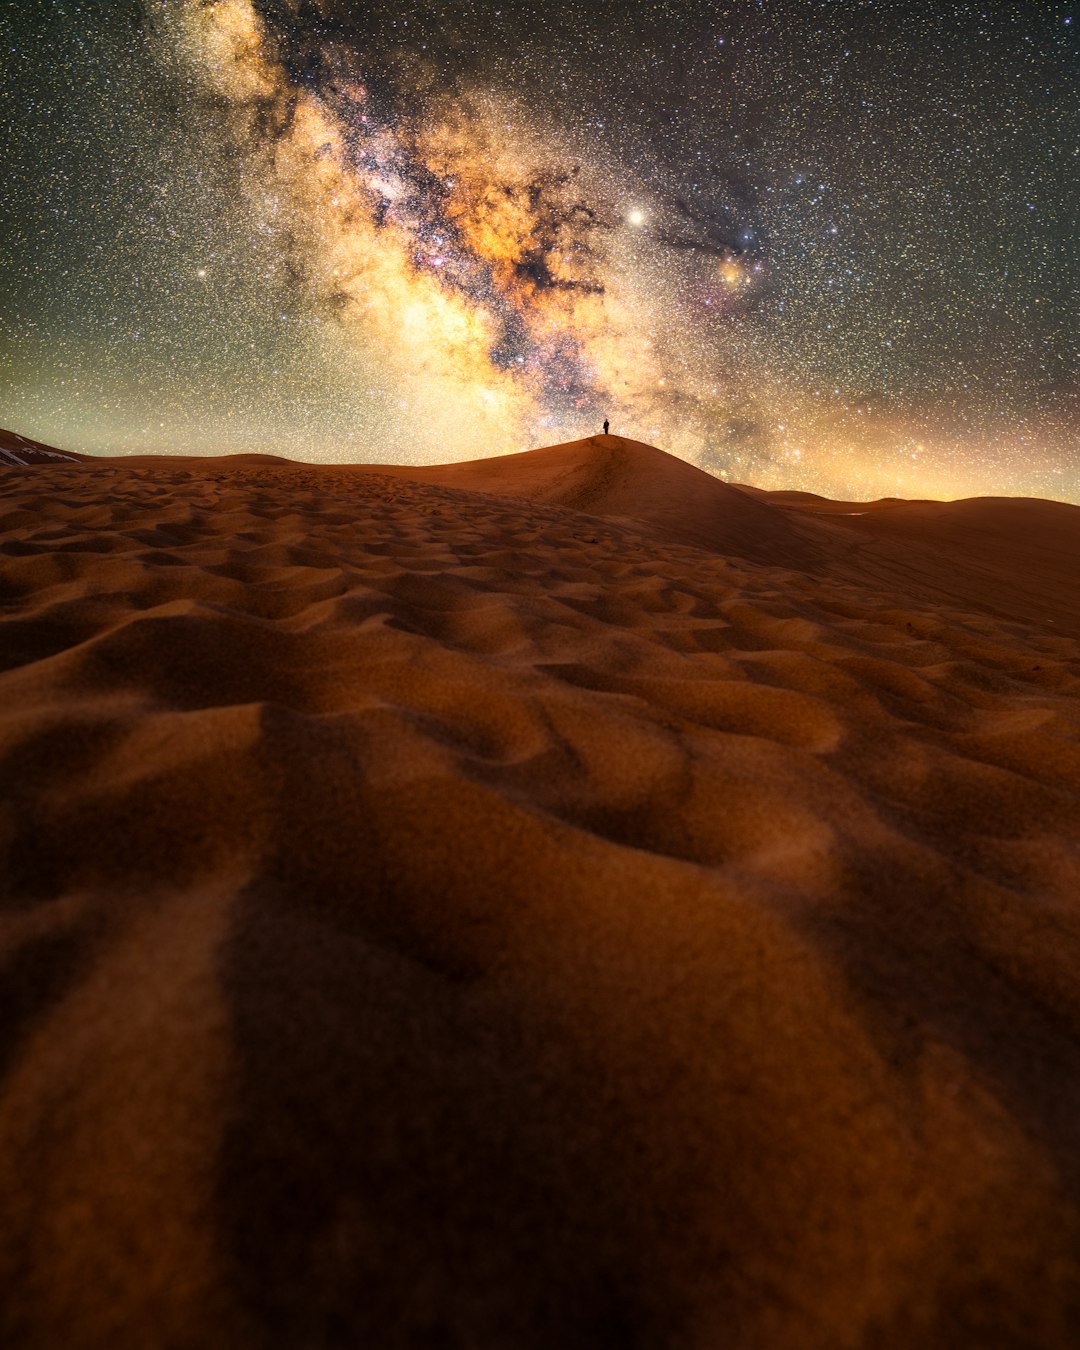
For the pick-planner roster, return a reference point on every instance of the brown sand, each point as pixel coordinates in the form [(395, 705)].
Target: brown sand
[(561, 901)]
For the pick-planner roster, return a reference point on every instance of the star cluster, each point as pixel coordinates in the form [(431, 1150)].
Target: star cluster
[(825, 246)]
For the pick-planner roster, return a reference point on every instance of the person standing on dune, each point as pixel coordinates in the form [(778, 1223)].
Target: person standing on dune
[(605, 426)]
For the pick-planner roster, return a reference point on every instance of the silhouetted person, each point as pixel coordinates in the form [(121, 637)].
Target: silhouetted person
[(605, 426)]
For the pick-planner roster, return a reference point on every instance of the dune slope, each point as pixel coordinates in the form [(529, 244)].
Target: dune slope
[(450, 908), (20, 450), (614, 476), (1015, 557)]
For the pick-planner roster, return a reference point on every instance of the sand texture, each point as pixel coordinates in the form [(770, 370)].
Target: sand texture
[(561, 901)]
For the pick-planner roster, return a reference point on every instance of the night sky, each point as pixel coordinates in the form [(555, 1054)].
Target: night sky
[(823, 246)]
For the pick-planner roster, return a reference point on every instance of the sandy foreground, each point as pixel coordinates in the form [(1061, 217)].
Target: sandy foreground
[(559, 901)]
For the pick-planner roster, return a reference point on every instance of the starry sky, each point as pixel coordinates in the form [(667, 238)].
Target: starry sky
[(827, 246)]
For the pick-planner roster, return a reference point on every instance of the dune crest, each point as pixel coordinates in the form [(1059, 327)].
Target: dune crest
[(547, 901)]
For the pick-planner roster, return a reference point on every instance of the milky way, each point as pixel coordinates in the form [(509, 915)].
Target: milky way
[(808, 246), (441, 232)]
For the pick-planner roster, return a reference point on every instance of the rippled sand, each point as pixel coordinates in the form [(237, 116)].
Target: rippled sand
[(560, 901)]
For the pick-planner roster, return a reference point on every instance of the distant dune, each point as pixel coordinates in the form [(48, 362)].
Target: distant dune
[(1014, 556), (560, 900)]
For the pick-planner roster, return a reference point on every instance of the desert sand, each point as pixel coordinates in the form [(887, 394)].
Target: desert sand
[(555, 901)]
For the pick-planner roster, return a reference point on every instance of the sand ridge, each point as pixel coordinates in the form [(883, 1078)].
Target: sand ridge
[(22, 451), (563, 932)]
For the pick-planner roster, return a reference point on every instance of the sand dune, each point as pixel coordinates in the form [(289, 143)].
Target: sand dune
[(1018, 557), (553, 901), (21, 451), (612, 476), (1015, 557)]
